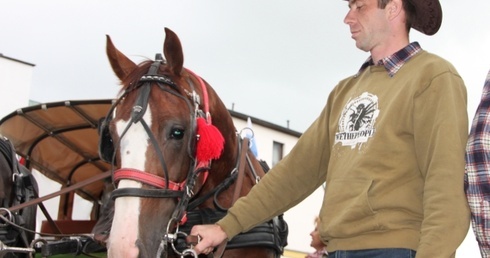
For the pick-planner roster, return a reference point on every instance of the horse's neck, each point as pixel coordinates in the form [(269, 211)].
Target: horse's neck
[(6, 172), (8, 152), (5, 181)]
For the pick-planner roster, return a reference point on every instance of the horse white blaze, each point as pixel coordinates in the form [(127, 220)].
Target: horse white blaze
[(124, 231)]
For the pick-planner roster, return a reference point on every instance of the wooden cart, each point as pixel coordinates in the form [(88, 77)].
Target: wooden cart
[(60, 140)]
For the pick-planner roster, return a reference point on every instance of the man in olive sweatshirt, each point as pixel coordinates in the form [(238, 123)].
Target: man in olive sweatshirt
[(389, 144)]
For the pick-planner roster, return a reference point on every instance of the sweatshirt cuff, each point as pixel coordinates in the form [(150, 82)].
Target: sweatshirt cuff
[(230, 226)]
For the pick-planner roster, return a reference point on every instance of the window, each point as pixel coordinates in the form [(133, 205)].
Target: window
[(277, 152)]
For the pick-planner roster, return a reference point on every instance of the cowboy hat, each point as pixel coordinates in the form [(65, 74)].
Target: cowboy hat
[(428, 16)]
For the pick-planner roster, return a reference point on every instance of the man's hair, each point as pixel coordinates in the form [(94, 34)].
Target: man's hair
[(317, 221), (409, 11), (382, 3)]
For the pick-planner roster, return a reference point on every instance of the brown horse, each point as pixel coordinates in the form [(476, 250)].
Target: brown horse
[(180, 161)]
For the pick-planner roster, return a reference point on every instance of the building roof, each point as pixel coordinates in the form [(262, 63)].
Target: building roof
[(16, 60), (265, 123)]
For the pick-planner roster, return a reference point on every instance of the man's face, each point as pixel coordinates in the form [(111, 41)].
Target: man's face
[(368, 24)]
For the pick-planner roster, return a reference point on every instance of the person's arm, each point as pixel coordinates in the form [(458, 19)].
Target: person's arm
[(477, 180), (441, 129), (295, 177), (289, 182)]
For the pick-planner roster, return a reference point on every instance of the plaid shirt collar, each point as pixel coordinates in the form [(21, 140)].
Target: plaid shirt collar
[(394, 62)]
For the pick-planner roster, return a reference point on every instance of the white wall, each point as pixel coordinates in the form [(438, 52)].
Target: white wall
[(264, 138), (15, 82), (301, 217)]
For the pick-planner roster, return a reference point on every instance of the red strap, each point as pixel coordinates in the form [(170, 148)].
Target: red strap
[(147, 178), (184, 219), (203, 164), (204, 96)]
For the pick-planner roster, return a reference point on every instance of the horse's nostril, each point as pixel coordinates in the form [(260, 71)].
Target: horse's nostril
[(143, 252)]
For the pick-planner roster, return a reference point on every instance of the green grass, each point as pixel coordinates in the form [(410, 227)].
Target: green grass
[(100, 255)]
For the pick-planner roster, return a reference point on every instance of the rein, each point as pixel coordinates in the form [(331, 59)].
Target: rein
[(61, 192)]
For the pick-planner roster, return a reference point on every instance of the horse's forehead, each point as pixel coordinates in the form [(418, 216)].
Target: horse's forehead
[(134, 141)]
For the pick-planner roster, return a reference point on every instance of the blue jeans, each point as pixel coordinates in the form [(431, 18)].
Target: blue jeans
[(374, 253)]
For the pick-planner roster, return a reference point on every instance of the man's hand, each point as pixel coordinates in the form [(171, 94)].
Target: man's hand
[(210, 236)]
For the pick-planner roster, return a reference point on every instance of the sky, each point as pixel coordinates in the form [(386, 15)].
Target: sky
[(276, 60)]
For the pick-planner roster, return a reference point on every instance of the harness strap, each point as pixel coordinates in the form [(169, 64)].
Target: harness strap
[(270, 234), (146, 193), (241, 170), (147, 178), (228, 181), (204, 95), (255, 174), (224, 185), (220, 249), (62, 191)]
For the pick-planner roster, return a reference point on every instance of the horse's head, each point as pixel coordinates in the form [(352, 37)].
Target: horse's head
[(160, 135)]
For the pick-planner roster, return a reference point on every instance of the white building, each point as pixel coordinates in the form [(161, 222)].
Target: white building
[(15, 82)]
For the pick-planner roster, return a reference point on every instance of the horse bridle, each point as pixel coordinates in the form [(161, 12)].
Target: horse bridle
[(165, 188)]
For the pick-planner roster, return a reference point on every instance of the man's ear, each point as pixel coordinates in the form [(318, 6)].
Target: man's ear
[(394, 8)]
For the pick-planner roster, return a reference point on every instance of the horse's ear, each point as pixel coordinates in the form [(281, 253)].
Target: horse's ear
[(121, 64), (173, 51)]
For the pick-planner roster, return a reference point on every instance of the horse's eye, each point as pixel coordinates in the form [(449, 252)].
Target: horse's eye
[(177, 134)]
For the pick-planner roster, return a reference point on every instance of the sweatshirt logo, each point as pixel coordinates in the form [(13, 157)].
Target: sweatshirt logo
[(356, 124)]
